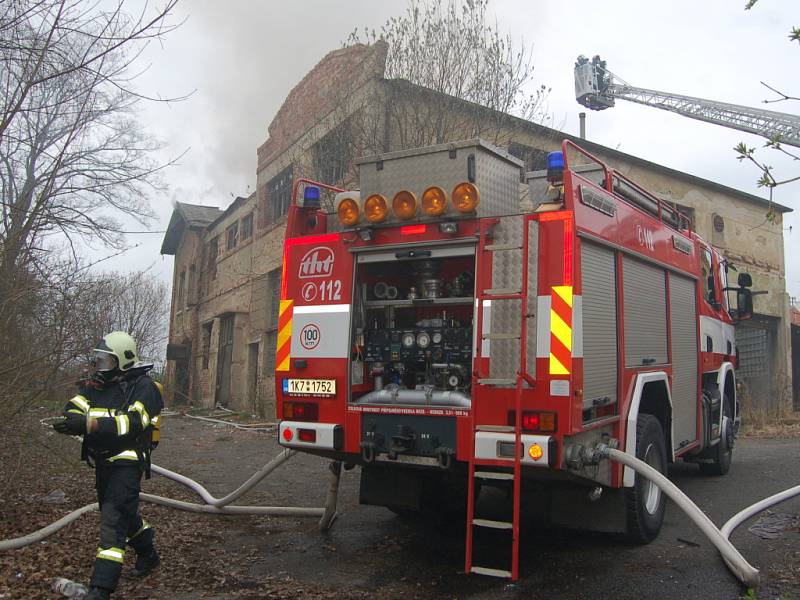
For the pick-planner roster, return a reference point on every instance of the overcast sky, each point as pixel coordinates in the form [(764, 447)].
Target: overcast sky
[(243, 57)]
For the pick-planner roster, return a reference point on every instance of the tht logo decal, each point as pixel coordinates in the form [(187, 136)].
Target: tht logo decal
[(317, 262)]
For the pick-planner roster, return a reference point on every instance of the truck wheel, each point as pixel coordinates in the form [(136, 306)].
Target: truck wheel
[(723, 451), (645, 502)]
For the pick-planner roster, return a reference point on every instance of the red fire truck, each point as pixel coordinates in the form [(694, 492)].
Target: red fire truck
[(448, 328)]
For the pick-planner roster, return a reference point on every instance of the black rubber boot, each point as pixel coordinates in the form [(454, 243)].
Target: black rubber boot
[(145, 563), (97, 593)]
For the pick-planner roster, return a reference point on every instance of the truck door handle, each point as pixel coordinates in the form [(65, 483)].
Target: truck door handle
[(648, 360), (412, 254)]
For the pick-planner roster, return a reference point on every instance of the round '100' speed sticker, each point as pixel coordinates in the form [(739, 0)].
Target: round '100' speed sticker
[(310, 336)]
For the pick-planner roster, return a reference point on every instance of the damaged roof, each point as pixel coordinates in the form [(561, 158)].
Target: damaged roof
[(193, 216)]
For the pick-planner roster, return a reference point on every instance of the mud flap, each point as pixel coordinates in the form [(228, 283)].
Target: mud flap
[(412, 489), (573, 509)]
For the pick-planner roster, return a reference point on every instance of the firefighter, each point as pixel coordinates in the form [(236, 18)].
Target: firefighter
[(114, 412)]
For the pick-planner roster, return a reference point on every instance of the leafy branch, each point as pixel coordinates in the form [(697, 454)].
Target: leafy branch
[(747, 153)]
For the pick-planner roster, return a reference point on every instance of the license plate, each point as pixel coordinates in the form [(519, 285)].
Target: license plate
[(310, 387)]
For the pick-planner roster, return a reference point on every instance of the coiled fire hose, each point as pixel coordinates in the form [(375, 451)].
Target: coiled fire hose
[(221, 506)]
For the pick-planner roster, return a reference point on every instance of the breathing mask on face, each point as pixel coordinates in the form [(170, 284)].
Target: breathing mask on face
[(104, 364)]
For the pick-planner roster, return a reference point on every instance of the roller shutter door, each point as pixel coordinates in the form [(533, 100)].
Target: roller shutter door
[(683, 329), (645, 306), (599, 325)]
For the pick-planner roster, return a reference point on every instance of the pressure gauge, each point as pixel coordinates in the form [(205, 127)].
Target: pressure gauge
[(407, 340), (437, 337), (423, 339)]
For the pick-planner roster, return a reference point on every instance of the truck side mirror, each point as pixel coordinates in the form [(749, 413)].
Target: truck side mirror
[(744, 280), (744, 303)]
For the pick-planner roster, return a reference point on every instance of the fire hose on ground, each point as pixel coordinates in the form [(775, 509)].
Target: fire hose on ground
[(219, 506), (743, 570), (267, 427), (738, 565)]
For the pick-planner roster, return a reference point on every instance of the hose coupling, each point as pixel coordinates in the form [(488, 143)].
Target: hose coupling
[(578, 456), (368, 452), (445, 456)]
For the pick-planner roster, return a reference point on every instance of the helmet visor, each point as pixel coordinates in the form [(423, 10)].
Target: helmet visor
[(103, 361)]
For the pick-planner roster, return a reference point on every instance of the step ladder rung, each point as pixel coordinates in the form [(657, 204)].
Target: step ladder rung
[(491, 572), (492, 524), (497, 381), (487, 471), (494, 475), (500, 336), (501, 247), (502, 292)]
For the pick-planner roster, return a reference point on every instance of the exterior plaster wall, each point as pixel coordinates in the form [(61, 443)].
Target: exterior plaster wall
[(239, 288), (181, 314), (227, 293), (184, 314)]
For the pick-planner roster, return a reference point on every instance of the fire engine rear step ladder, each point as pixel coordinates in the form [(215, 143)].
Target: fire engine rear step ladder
[(510, 474)]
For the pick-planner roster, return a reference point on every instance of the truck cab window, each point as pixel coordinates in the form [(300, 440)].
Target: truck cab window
[(708, 276), (723, 277)]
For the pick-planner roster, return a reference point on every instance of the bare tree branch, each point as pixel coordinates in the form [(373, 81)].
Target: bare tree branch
[(74, 161)]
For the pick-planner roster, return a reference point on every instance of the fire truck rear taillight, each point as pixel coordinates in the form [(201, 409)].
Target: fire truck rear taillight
[(376, 209), (466, 197), (413, 229), (287, 435), (348, 211), (307, 435), (434, 201), (301, 411), (404, 205), (540, 421)]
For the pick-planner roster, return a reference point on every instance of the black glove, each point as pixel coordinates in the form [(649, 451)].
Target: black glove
[(71, 424)]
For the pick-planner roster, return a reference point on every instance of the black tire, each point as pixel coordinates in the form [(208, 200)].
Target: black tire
[(723, 451), (645, 502)]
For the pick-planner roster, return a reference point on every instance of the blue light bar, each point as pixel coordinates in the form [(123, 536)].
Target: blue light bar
[(311, 195), (555, 167), (555, 160)]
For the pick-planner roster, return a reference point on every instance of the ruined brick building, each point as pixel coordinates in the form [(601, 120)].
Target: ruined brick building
[(227, 273)]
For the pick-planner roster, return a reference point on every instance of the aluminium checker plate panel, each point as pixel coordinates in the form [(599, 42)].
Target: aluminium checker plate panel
[(533, 291), (506, 314), (497, 174)]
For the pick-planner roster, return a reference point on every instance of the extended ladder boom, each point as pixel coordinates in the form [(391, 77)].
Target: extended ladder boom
[(597, 88)]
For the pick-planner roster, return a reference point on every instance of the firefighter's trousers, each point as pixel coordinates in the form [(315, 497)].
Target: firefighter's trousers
[(118, 489)]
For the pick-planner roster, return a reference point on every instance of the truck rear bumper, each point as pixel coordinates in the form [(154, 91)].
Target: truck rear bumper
[(302, 434), (537, 450)]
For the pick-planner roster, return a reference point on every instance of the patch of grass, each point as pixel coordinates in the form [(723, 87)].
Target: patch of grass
[(760, 422), (775, 421)]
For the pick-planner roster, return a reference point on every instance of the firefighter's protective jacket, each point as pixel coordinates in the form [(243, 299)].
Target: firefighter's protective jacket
[(124, 412)]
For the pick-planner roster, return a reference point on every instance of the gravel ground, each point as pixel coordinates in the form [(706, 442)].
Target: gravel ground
[(370, 552)]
